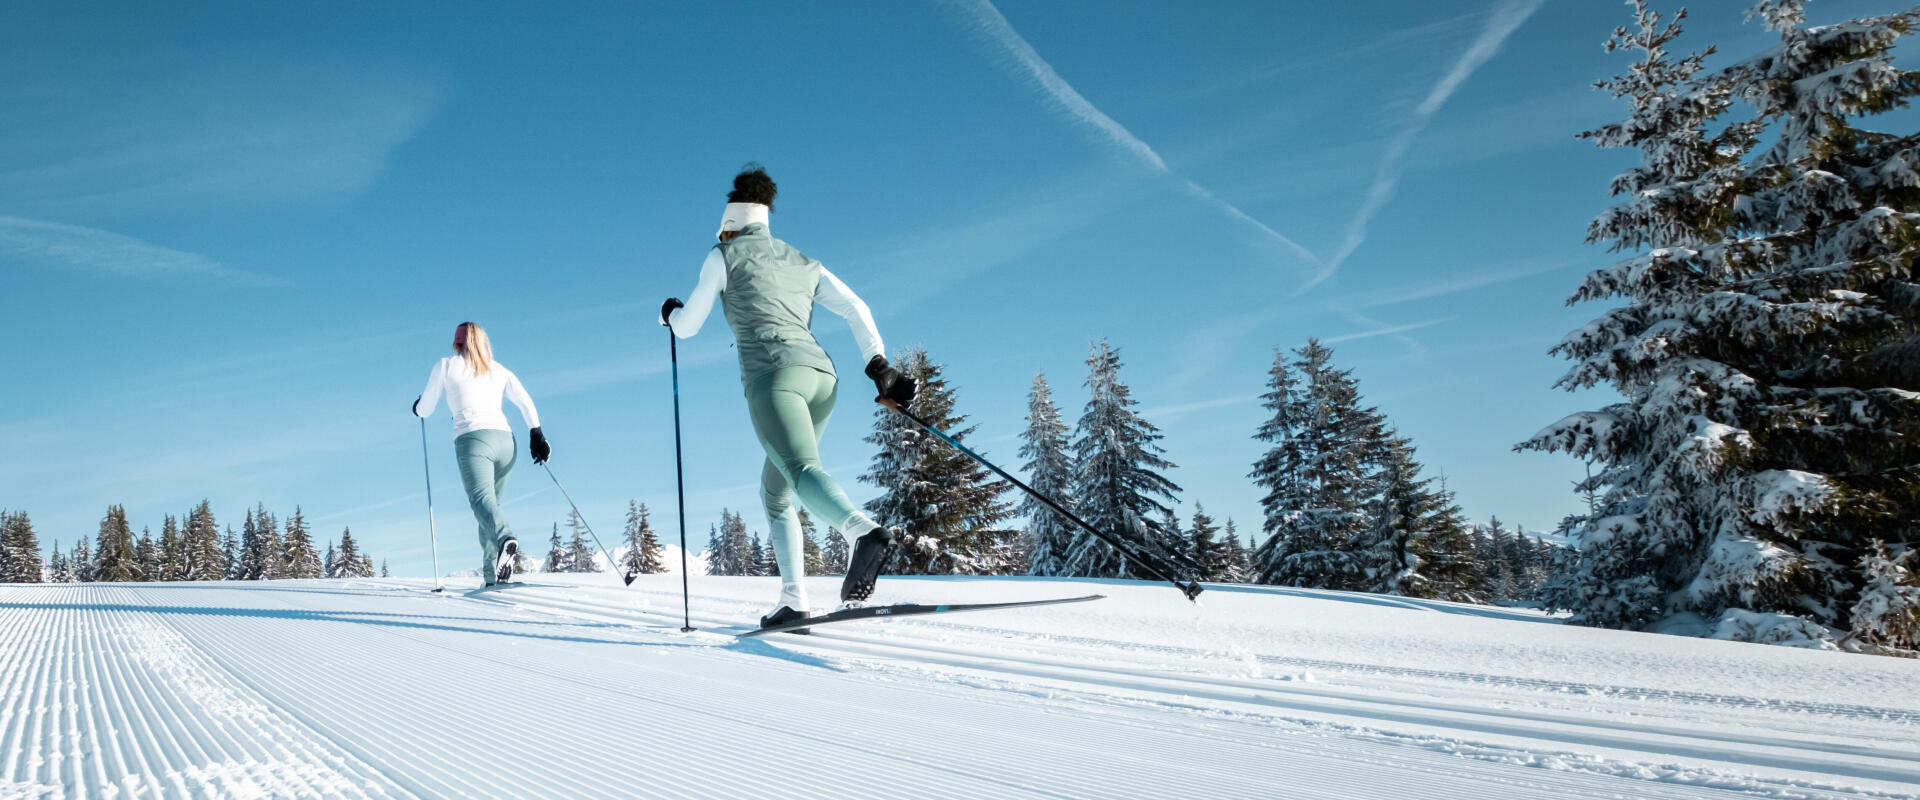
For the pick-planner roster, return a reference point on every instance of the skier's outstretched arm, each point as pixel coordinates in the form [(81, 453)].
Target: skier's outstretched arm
[(685, 320), (839, 299), (430, 397), (518, 394)]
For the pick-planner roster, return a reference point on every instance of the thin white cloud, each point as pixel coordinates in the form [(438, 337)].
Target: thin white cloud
[(158, 130), (1387, 331), (54, 245), (1505, 19), (1459, 283), (984, 19)]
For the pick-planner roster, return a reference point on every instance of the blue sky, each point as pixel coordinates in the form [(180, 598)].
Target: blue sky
[(233, 238)]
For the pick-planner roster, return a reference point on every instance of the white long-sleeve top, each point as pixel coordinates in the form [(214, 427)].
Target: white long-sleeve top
[(831, 294), (473, 399)]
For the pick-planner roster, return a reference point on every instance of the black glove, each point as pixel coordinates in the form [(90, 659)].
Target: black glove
[(415, 408), (666, 310), (892, 385), (537, 442)]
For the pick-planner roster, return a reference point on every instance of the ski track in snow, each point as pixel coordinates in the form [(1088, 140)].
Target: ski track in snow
[(578, 688)]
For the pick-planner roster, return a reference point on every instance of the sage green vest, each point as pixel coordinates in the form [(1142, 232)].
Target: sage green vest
[(769, 304)]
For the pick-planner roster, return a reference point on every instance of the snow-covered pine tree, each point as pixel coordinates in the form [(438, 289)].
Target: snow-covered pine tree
[(331, 561), (836, 554), (945, 503), (273, 557), (716, 556), (7, 568), (810, 558), (22, 550), (259, 548), (114, 557), (579, 554), (1050, 471), (299, 559), (1414, 545), (82, 560), (347, 561), (1236, 560), (559, 554), (1887, 613), (146, 555), (232, 552), (1317, 473), (1767, 345), (200, 543), (741, 558), (59, 566), (173, 559), (757, 558), (1207, 547), (637, 537), (383, 569), (1119, 486)]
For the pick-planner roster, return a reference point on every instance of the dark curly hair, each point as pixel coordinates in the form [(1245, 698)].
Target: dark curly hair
[(753, 185)]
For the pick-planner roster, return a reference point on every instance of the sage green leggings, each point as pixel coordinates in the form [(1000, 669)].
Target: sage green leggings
[(790, 408), (486, 459)]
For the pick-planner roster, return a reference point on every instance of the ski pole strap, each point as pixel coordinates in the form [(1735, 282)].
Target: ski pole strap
[(1158, 569)]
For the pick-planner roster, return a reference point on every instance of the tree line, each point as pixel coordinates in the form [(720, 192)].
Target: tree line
[(191, 547)]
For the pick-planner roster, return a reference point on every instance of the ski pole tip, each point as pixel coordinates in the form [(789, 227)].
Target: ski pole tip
[(629, 579), (1192, 590)]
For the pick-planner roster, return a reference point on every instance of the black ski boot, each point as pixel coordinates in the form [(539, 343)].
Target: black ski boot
[(782, 616), (863, 567), (503, 563)]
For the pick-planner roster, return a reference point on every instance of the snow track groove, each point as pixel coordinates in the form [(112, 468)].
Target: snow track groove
[(571, 690)]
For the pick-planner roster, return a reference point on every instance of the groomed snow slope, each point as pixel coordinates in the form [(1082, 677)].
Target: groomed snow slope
[(575, 687)]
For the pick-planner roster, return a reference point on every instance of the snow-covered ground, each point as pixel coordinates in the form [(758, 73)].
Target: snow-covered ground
[(575, 687)]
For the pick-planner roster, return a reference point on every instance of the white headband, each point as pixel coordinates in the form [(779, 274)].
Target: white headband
[(740, 215)]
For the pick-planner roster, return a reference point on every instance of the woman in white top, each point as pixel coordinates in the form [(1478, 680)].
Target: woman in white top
[(483, 444)]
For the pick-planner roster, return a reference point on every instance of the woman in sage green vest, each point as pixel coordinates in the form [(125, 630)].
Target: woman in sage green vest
[(768, 290)]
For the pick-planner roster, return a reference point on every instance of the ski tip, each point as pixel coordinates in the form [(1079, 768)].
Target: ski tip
[(1192, 590), (439, 589)]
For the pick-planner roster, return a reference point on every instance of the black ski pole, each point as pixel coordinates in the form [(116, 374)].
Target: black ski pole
[(625, 576), (426, 464), (680, 484), (1191, 589)]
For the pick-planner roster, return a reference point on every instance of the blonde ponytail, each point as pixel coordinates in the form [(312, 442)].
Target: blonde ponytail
[(470, 341)]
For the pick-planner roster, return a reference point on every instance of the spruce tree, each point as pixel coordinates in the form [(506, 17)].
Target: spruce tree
[(59, 567), (231, 551), (1767, 343), (1317, 475), (1207, 548), (741, 559), (173, 559), (716, 556), (299, 559), (1235, 563), (82, 559), (1119, 487), (810, 558), (946, 506), (1887, 612), (559, 555), (114, 556), (836, 553), (348, 561), (1050, 471), (643, 554), (20, 558), (147, 555), (332, 562), (757, 559), (200, 546), (580, 555), (272, 556), (383, 569)]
